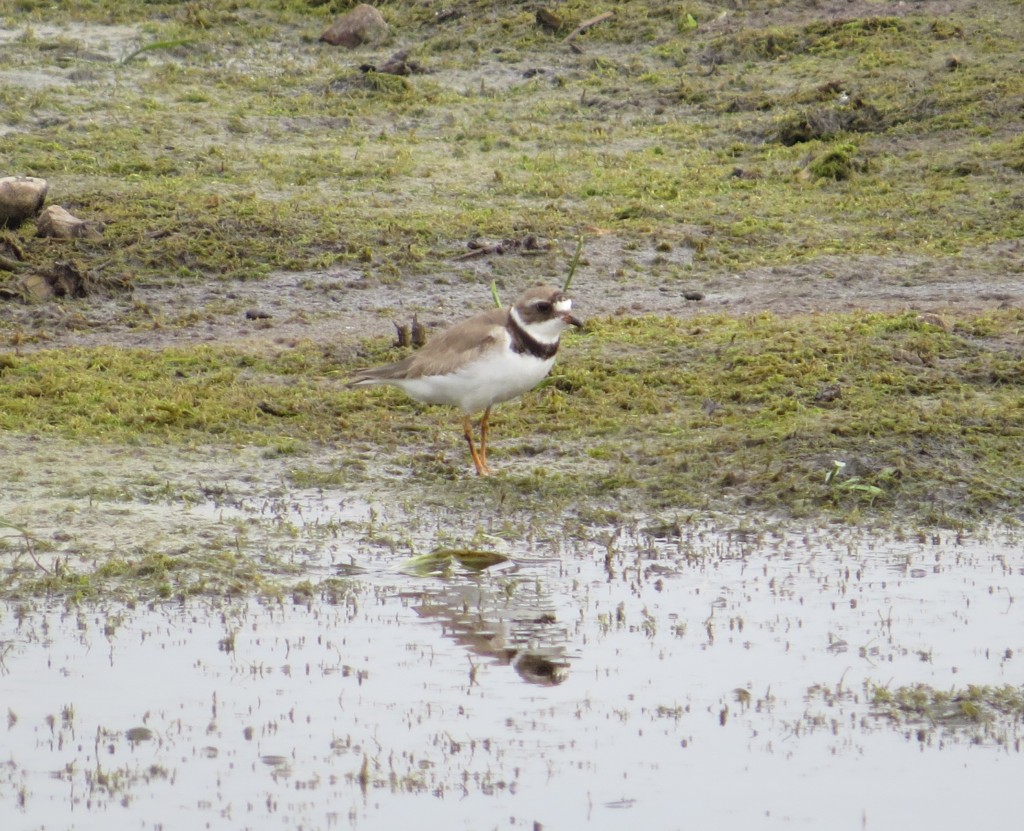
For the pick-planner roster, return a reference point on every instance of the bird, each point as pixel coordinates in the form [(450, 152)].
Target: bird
[(489, 358)]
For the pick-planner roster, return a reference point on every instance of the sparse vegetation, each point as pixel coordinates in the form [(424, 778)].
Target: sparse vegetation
[(202, 167), (220, 143), (230, 587), (987, 713), (740, 413)]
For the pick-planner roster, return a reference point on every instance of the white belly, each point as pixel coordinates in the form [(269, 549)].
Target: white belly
[(481, 384)]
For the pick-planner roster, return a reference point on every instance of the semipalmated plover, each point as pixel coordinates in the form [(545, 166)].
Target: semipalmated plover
[(491, 357)]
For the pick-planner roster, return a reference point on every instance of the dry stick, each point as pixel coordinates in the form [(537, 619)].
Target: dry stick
[(162, 44), (476, 252), (28, 543), (497, 248), (588, 24), (32, 554)]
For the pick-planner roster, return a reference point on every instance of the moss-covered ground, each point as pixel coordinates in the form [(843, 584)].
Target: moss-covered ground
[(691, 415), (219, 142)]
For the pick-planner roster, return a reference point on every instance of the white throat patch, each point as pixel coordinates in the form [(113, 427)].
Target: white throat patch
[(546, 331)]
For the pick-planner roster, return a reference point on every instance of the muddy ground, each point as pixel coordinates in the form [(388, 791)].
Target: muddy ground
[(620, 274), (296, 607), (284, 131), (341, 308)]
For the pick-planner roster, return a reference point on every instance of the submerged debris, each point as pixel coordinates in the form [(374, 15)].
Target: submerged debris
[(441, 560)]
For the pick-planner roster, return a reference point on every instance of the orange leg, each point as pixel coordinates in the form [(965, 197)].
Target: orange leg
[(480, 464), (483, 438)]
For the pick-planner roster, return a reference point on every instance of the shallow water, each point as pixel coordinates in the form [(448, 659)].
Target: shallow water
[(708, 679)]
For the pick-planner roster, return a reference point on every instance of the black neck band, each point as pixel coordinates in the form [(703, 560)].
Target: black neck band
[(524, 343)]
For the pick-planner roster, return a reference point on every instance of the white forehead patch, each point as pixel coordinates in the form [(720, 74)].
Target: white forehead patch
[(562, 306)]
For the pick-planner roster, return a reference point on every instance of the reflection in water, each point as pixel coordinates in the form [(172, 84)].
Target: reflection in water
[(509, 619), (704, 665)]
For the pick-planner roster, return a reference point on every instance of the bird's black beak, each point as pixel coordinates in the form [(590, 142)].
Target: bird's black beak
[(572, 320)]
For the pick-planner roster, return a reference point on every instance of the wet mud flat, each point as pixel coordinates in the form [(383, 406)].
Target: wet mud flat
[(662, 675), (192, 634)]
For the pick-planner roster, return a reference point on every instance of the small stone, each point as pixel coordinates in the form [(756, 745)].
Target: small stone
[(364, 24), (57, 222), (933, 319), (548, 20), (826, 395), (21, 197)]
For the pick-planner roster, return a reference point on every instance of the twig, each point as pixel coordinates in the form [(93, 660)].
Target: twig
[(494, 294), (28, 544), (32, 554), (477, 252), (160, 44), (588, 24)]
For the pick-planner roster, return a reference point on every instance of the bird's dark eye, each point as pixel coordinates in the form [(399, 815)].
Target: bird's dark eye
[(544, 307)]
